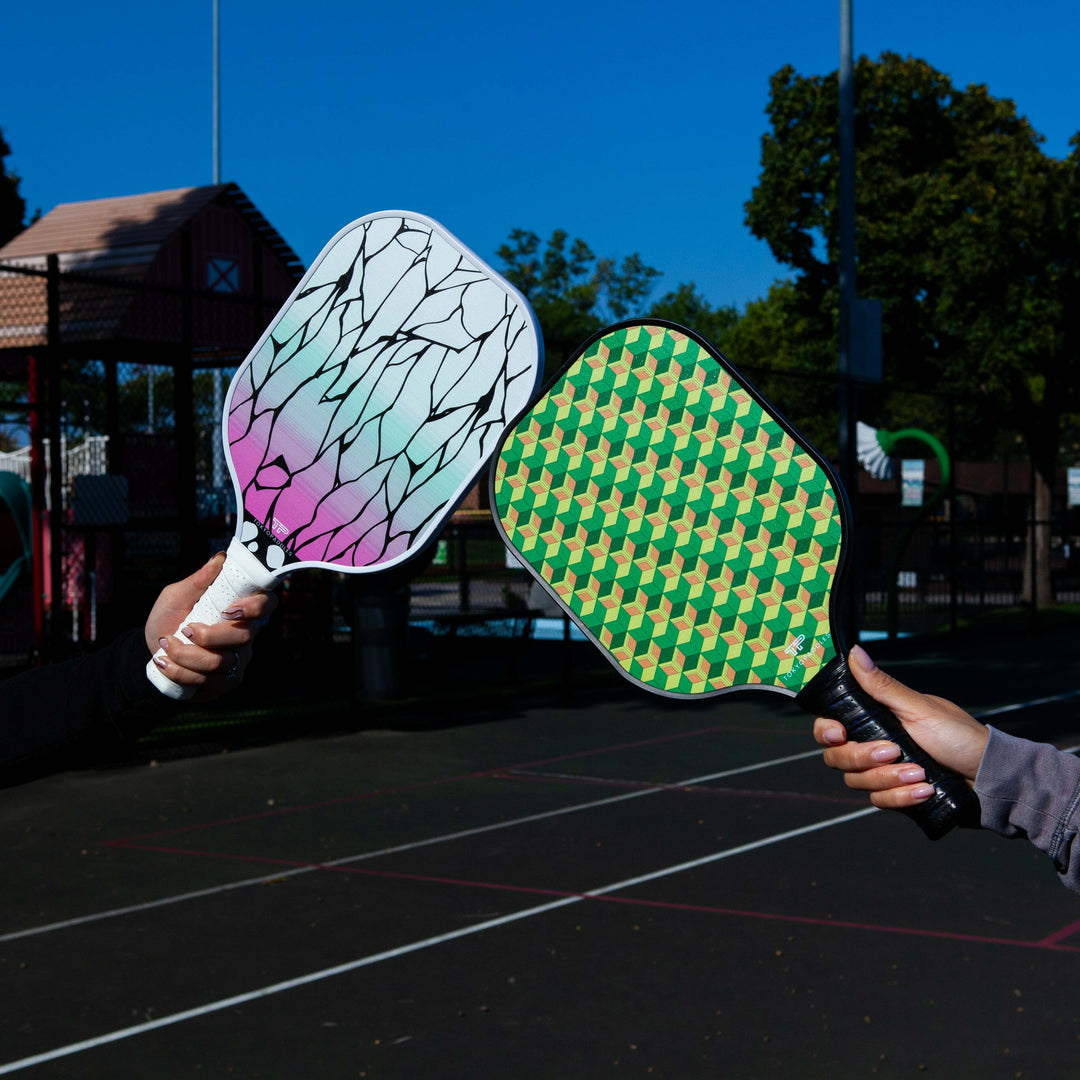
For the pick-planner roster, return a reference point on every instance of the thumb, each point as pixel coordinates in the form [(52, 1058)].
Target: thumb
[(175, 601), (192, 587), (945, 731), (900, 699)]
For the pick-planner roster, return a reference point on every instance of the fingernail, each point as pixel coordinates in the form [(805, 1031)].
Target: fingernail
[(160, 661), (835, 736), (886, 753), (188, 632), (861, 658), (163, 643), (232, 613), (922, 793), (912, 774)]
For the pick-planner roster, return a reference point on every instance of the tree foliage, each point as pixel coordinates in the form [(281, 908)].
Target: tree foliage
[(967, 231), (777, 341), (573, 292), (774, 344), (687, 307), (12, 204)]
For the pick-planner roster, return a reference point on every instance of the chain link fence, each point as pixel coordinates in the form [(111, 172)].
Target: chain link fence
[(111, 395)]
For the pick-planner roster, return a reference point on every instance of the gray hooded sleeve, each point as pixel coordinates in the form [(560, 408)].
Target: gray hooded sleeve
[(1032, 789)]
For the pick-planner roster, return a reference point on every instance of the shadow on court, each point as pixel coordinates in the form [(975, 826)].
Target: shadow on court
[(613, 886)]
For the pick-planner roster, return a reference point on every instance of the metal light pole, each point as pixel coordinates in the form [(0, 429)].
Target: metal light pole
[(217, 98), (217, 453), (846, 208), (846, 188)]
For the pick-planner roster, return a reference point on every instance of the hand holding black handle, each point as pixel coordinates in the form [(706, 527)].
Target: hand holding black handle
[(834, 692)]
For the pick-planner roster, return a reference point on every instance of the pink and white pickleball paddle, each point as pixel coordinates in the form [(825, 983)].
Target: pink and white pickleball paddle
[(369, 407)]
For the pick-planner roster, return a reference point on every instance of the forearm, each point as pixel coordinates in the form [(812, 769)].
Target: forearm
[(1033, 789)]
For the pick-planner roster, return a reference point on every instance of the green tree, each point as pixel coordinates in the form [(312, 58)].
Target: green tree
[(967, 233), (12, 204), (773, 344), (687, 307), (573, 292), (777, 341)]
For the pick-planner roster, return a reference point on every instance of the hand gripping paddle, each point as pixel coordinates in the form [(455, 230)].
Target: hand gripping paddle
[(692, 533), (368, 407)]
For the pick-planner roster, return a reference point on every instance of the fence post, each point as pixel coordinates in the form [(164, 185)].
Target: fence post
[(951, 496), (37, 500), (184, 414), (380, 621), (463, 567), (54, 393)]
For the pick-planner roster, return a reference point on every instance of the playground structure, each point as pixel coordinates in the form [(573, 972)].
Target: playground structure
[(85, 466), (87, 458), (120, 322)]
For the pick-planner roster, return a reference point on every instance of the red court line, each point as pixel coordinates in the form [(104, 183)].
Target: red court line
[(909, 931), (1049, 944), (1060, 935), (378, 792), (694, 789)]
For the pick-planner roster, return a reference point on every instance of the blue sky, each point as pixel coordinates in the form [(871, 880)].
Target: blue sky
[(634, 126)]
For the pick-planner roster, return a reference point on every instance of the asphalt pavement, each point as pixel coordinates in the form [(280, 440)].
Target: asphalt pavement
[(536, 887)]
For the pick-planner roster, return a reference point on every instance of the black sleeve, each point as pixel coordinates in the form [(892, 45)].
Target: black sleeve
[(78, 710)]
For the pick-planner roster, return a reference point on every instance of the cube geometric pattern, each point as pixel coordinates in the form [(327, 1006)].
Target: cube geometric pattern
[(677, 520)]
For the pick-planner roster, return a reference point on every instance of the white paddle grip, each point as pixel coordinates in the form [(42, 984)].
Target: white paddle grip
[(241, 575)]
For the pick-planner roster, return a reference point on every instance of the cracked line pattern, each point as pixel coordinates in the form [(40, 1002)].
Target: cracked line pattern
[(377, 396)]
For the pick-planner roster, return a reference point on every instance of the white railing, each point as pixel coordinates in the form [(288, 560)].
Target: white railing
[(87, 458), (16, 461)]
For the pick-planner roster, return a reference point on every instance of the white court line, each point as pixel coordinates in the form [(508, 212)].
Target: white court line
[(303, 980), (1028, 704), (149, 905), (416, 946), (82, 920)]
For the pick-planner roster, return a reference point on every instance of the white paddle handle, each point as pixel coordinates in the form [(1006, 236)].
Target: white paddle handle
[(242, 575)]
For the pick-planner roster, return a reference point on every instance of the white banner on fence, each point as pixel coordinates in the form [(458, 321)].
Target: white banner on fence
[(912, 482), (1074, 487)]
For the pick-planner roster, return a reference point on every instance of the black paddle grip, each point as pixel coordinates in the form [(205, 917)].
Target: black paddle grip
[(833, 692)]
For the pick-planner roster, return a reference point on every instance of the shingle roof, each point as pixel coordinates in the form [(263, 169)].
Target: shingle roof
[(100, 223), (106, 234), (115, 239)]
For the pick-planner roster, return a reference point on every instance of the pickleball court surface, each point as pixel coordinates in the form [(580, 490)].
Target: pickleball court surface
[(619, 886)]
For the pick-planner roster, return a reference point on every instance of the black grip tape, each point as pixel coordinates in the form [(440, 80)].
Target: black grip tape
[(833, 692)]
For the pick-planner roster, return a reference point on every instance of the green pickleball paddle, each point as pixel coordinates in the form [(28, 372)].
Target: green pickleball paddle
[(692, 533)]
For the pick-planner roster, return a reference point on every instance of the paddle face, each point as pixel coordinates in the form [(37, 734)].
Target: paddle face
[(675, 516), (374, 399)]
